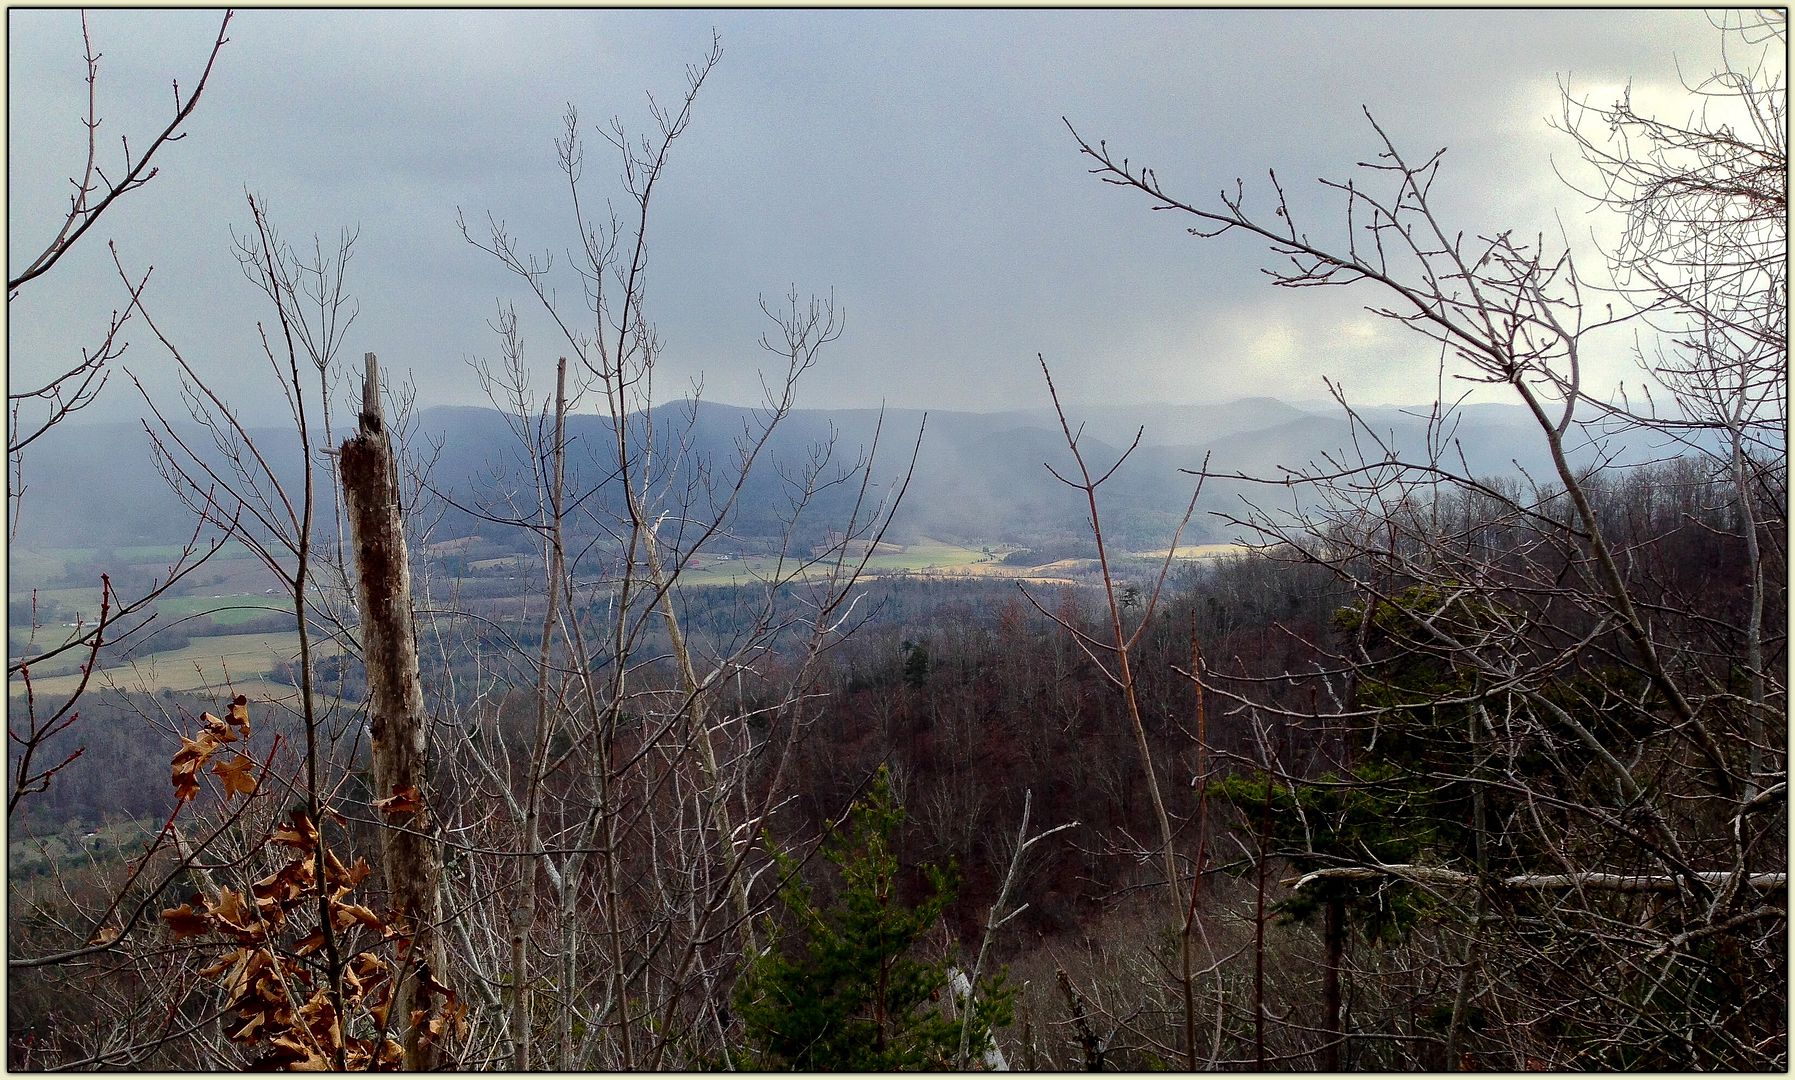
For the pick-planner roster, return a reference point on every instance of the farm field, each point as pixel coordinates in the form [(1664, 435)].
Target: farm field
[(232, 573), (223, 610), (926, 558), (226, 611), (56, 610), (81, 601), (228, 576), (25, 565), (241, 661), (923, 557), (230, 592), (1196, 551), (232, 588), (1058, 572), (37, 564)]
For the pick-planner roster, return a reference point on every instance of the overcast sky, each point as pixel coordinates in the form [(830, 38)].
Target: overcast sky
[(914, 163)]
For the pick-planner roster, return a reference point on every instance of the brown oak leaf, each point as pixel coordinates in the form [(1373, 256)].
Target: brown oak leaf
[(236, 774), (186, 766), (239, 714), (343, 880), (295, 1056), (187, 921), (225, 963), (450, 1019), (233, 914), (251, 1024), (321, 1017), (403, 800), (285, 886), (369, 969), (216, 729), (343, 916), (299, 833)]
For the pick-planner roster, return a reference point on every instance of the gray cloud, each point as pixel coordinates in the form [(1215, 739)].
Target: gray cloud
[(913, 162)]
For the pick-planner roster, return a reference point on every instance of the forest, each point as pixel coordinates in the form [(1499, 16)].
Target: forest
[(676, 745)]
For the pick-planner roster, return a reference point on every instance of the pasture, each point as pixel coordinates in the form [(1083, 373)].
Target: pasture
[(232, 610), (240, 663), (923, 557), (1196, 551)]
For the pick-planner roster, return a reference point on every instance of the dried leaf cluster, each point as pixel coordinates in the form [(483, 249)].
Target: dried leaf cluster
[(277, 960)]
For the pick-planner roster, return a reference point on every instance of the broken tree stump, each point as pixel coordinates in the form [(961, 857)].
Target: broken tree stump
[(399, 731)]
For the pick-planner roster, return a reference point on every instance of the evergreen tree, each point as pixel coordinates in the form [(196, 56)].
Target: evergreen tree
[(846, 990)]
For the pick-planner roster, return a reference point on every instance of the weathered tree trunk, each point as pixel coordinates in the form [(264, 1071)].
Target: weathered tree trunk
[(1333, 937), (1259, 861), (1087, 1036), (409, 859)]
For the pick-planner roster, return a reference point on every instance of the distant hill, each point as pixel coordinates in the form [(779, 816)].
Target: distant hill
[(979, 477)]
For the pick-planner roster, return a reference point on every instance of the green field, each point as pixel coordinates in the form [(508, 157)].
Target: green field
[(34, 566), (224, 610), (926, 555)]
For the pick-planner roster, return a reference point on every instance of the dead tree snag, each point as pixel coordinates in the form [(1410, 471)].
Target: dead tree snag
[(398, 728)]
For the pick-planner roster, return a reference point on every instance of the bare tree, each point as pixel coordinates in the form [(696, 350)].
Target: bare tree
[(34, 413), (1703, 259), (237, 483), (620, 831), (1116, 658), (1612, 731), (94, 194)]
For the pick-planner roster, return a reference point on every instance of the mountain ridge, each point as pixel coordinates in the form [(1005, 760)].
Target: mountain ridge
[(979, 476)]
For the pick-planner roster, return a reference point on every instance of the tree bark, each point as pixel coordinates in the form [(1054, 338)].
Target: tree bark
[(399, 732), (1334, 940)]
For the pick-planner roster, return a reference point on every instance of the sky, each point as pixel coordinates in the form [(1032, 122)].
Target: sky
[(912, 164)]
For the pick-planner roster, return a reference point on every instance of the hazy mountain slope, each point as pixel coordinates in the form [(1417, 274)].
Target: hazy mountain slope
[(979, 477)]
